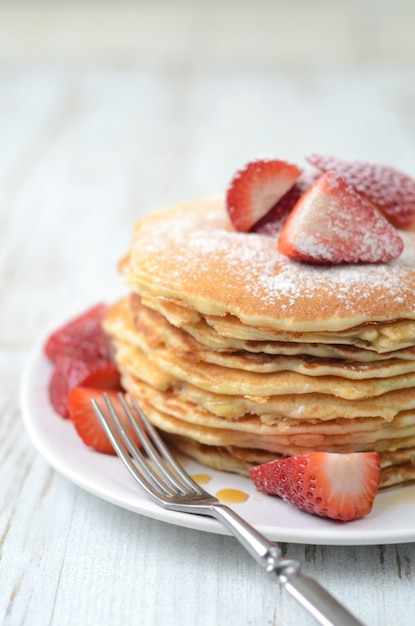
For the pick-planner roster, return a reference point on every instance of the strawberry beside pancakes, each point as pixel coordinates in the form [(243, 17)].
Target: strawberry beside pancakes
[(340, 486)]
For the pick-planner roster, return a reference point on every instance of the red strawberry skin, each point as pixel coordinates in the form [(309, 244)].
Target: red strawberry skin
[(391, 191), (331, 223), (72, 372), (338, 486), (87, 423), (82, 337), (256, 188)]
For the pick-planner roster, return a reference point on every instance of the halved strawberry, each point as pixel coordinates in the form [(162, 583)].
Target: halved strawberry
[(391, 191), (102, 374), (339, 486), (274, 220), (82, 337), (72, 372), (87, 423), (256, 188), (331, 223)]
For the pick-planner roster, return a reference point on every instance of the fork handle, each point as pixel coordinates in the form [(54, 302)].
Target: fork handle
[(317, 600)]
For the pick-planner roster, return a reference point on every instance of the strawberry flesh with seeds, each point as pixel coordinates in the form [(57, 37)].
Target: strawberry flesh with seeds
[(388, 189), (331, 223), (338, 486), (256, 188)]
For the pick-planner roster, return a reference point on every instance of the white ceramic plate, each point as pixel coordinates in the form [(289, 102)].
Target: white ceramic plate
[(392, 519)]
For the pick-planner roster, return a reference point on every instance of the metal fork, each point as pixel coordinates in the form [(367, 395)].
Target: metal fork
[(166, 482)]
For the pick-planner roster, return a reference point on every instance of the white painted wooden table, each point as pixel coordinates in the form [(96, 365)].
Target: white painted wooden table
[(106, 113)]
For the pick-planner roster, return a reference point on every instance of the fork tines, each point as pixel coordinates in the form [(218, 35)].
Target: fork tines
[(149, 461)]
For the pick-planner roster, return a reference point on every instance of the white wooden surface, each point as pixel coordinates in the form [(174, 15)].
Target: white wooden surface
[(108, 111)]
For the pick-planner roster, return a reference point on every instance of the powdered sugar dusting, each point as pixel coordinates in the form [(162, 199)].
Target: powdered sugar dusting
[(197, 254)]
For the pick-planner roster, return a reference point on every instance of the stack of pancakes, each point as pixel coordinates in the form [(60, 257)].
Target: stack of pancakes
[(241, 355)]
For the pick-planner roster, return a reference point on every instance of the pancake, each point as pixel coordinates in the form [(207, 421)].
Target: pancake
[(150, 330), (227, 331), (191, 253), (176, 413), (146, 348), (239, 355)]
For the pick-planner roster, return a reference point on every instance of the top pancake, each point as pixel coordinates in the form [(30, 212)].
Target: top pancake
[(192, 254)]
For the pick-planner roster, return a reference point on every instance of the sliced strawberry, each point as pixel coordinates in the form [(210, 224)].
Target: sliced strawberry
[(274, 220), (72, 372), (331, 223), (256, 188), (82, 337), (102, 374), (391, 191), (87, 423), (339, 486)]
